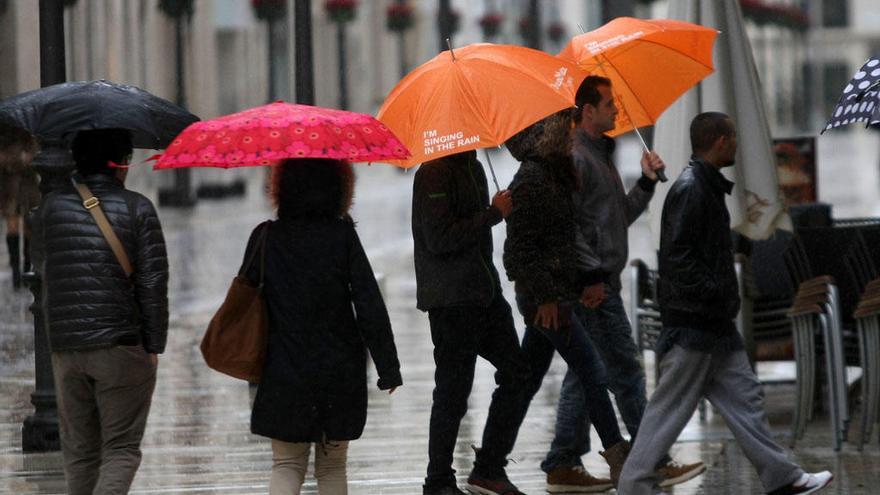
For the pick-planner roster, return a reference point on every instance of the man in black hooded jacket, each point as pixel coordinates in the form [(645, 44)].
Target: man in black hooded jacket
[(458, 286)]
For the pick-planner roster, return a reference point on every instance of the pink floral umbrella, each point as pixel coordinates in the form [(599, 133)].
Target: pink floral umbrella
[(270, 133)]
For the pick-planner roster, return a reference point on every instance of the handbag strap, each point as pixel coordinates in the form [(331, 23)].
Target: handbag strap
[(93, 205), (259, 248)]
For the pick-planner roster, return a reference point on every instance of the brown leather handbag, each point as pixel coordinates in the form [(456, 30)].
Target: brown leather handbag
[(235, 342)]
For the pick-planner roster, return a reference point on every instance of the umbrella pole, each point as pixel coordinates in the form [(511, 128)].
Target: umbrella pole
[(492, 170), (661, 175)]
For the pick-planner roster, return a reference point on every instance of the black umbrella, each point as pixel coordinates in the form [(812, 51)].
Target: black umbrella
[(56, 112), (859, 101)]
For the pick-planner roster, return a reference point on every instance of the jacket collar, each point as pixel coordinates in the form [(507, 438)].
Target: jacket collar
[(714, 176), (603, 144), (107, 180)]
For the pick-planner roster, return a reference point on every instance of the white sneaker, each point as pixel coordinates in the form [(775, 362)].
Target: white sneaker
[(807, 483)]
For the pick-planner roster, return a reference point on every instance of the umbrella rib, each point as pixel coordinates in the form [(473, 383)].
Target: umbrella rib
[(472, 98), (645, 40), (636, 96)]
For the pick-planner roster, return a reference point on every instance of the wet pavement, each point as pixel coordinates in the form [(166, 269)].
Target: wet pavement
[(198, 438)]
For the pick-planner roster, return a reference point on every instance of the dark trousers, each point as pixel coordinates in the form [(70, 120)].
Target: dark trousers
[(460, 334)]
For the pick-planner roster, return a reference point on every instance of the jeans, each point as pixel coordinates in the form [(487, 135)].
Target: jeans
[(609, 328), (459, 335), (578, 351)]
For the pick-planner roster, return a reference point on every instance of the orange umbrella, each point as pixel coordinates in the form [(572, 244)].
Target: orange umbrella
[(476, 96), (650, 63)]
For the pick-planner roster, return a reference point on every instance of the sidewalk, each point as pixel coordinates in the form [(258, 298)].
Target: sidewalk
[(198, 438)]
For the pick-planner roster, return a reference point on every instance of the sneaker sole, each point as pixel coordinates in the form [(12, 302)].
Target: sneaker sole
[(579, 488), (814, 490), (477, 490), (683, 477)]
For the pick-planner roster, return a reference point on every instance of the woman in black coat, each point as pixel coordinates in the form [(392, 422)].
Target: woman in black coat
[(325, 312)]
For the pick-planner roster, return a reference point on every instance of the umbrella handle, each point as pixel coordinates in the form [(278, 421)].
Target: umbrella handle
[(661, 174), (492, 170)]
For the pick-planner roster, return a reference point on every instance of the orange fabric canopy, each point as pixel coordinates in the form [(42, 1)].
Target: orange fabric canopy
[(475, 97), (650, 63)]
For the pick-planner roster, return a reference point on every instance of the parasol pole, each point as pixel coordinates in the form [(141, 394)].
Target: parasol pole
[(492, 170)]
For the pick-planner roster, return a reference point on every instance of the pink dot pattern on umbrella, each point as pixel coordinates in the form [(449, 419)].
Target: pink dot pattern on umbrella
[(270, 133)]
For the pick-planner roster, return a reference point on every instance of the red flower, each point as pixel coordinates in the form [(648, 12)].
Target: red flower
[(399, 17)]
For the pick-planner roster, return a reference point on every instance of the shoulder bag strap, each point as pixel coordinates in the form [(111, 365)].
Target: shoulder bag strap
[(91, 203)]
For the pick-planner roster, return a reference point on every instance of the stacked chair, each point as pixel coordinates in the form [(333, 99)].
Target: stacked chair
[(823, 306), (864, 266)]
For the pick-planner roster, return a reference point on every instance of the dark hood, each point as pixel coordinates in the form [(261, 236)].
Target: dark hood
[(524, 144)]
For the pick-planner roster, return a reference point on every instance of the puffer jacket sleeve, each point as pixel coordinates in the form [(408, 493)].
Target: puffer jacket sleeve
[(526, 258), (372, 316), (151, 277)]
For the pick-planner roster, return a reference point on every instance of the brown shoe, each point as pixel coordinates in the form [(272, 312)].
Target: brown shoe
[(575, 480), (675, 473), (615, 457)]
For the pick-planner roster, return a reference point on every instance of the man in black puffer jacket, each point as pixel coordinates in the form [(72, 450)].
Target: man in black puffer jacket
[(105, 329)]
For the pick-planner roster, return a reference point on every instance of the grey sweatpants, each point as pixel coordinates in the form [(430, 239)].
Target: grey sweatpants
[(104, 398), (731, 386)]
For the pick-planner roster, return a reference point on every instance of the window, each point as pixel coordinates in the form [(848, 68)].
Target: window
[(835, 13)]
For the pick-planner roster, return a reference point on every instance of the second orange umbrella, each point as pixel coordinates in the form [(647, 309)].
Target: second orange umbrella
[(650, 63), (476, 96)]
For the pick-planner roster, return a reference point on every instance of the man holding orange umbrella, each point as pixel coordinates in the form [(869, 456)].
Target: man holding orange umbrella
[(459, 287), (463, 99), (604, 212)]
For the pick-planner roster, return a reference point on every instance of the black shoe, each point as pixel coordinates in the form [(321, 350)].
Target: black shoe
[(441, 490)]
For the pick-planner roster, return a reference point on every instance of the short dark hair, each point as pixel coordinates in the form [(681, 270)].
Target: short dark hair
[(92, 150), (588, 94), (707, 127)]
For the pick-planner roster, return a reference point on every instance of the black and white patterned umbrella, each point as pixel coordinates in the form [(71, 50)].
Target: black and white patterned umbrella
[(859, 101)]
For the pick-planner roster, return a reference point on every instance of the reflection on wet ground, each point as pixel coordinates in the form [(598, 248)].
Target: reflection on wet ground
[(198, 438)]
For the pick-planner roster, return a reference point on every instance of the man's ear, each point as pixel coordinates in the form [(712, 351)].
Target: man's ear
[(587, 112)]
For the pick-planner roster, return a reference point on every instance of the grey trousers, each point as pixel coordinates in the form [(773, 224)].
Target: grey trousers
[(103, 401), (731, 386)]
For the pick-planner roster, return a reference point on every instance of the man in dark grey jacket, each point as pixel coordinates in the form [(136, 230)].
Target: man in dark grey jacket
[(605, 211), (458, 286), (105, 328)]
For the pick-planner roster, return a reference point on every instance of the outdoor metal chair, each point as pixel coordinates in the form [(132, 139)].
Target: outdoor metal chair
[(867, 317), (863, 264), (827, 295)]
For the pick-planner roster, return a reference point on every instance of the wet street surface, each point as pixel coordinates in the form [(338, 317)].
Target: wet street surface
[(198, 439)]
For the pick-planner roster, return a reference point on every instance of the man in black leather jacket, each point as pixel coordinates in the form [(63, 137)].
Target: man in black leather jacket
[(458, 286), (105, 329), (700, 351)]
